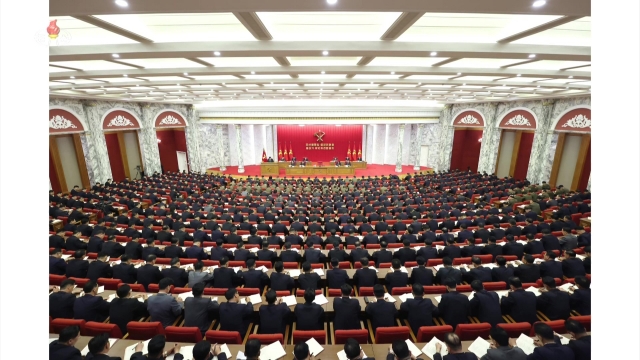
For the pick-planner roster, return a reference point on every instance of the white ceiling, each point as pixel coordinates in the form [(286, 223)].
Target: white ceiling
[(439, 52)]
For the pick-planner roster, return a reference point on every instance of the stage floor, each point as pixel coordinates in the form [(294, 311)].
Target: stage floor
[(371, 170)]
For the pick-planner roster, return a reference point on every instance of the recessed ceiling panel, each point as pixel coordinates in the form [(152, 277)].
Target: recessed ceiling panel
[(183, 27), (247, 62), (120, 79), (404, 61), (484, 28), (164, 78), (551, 65), (75, 32), (520, 79), (92, 65), (164, 63), (481, 63), (376, 77), (429, 77), (214, 77), (327, 26), (575, 33), (323, 61)]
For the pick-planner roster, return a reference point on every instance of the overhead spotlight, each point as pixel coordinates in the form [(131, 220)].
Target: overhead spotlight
[(571, 77), (518, 75), (419, 83), (531, 56), (332, 2), (539, 3), (538, 86), (122, 3), (325, 53), (216, 53), (125, 75), (115, 55), (433, 53), (393, 73), (322, 72), (253, 73), (72, 77), (372, 83), (223, 83), (178, 84), (136, 85)]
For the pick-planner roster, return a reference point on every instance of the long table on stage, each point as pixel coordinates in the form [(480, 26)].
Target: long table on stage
[(320, 170), (354, 164)]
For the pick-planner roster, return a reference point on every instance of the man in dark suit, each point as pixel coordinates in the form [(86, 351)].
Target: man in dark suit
[(555, 304), (382, 255), (99, 268), (57, 240), (91, 307), (396, 278), (57, 265), (450, 250), (551, 267), (584, 238), (485, 305), (149, 273), (179, 276), (476, 271), (74, 243), (518, 303), (279, 279), (406, 253), (254, 278), (580, 341), (235, 316), (445, 236), (502, 272), (125, 271), (492, 248), (265, 254), (482, 233), (512, 247), (125, 308), (174, 250), (133, 249), (62, 299), (547, 348), (95, 243), (420, 274), (338, 253), (358, 253), (112, 248), (448, 272), (308, 279), (336, 277), (289, 255), (313, 256), (571, 266), (164, 234), (274, 316), (453, 305), (64, 348), (233, 238), (527, 271), (419, 311), (549, 241), (533, 246), (365, 277), (77, 267), (346, 310), (427, 252), (464, 234), (199, 311), (226, 277), (370, 238), (309, 316), (380, 312), (581, 297), (279, 228), (195, 251)]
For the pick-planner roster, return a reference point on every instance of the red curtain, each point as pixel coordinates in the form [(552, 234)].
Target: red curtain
[(115, 156), (53, 175), (297, 137), (524, 153), (586, 171), (466, 149)]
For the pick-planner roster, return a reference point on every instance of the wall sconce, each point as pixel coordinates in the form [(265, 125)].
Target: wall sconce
[(159, 141)]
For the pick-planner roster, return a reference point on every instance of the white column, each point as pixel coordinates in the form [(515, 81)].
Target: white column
[(239, 145), (399, 155), (416, 144), (220, 147)]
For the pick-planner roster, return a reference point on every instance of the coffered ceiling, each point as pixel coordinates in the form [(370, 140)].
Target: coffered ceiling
[(205, 51)]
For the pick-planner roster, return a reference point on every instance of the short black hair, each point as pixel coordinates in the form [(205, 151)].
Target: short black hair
[(335, 262), (201, 350), (543, 330), (417, 289), (395, 264), (500, 336), (420, 260), (301, 351), (67, 282), (447, 260), (306, 267), (401, 349), (476, 285), (352, 348), (450, 282), (251, 263), (98, 343), (501, 260), (165, 283), (123, 290), (278, 266), (378, 290), (346, 289), (68, 333), (156, 346), (271, 296), (549, 281), (583, 281), (175, 260), (515, 282), (198, 289), (574, 326), (309, 295), (89, 286), (252, 348), (151, 258), (529, 258), (229, 294)]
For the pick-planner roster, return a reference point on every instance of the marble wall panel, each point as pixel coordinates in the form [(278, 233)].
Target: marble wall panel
[(391, 144)]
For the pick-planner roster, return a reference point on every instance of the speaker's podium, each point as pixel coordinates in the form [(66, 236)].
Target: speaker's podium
[(269, 168)]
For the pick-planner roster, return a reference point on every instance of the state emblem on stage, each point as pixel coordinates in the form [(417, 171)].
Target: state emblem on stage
[(319, 135)]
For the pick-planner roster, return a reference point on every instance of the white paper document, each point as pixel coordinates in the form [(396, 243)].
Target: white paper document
[(85, 351), (320, 272), (413, 348), (320, 300), (255, 299), (471, 295), (430, 348), (262, 268), (100, 289), (389, 298), (289, 300), (501, 294), (566, 286), (132, 349), (525, 343), (272, 351), (479, 347), (314, 347), (186, 295), (343, 356), (438, 298), (225, 350), (294, 273), (254, 250), (490, 265), (65, 257), (237, 268), (405, 297), (111, 297), (533, 290), (563, 340), (439, 247), (186, 351)]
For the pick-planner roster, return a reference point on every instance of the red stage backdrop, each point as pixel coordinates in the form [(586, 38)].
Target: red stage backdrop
[(303, 141)]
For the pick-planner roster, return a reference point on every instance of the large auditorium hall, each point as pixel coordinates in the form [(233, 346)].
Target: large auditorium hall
[(319, 180)]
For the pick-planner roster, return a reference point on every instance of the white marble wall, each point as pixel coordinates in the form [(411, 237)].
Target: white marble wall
[(209, 140), (391, 145), (547, 161), (194, 144), (429, 134), (270, 144), (247, 139), (446, 139), (227, 130), (368, 145)]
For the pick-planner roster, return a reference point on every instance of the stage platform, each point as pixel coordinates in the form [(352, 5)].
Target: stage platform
[(371, 170)]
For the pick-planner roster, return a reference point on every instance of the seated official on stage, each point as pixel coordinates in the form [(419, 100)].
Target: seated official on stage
[(347, 162)]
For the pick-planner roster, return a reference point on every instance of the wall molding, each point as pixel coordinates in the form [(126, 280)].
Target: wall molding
[(319, 114)]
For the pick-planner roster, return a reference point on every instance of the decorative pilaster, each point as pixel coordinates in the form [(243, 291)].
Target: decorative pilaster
[(589, 183), (400, 143), (98, 159), (269, 145), (149, 141), (539, 167), (239, 148), (415, 145), (220, 147), (490, 141), (445, 146), (194, 147)]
